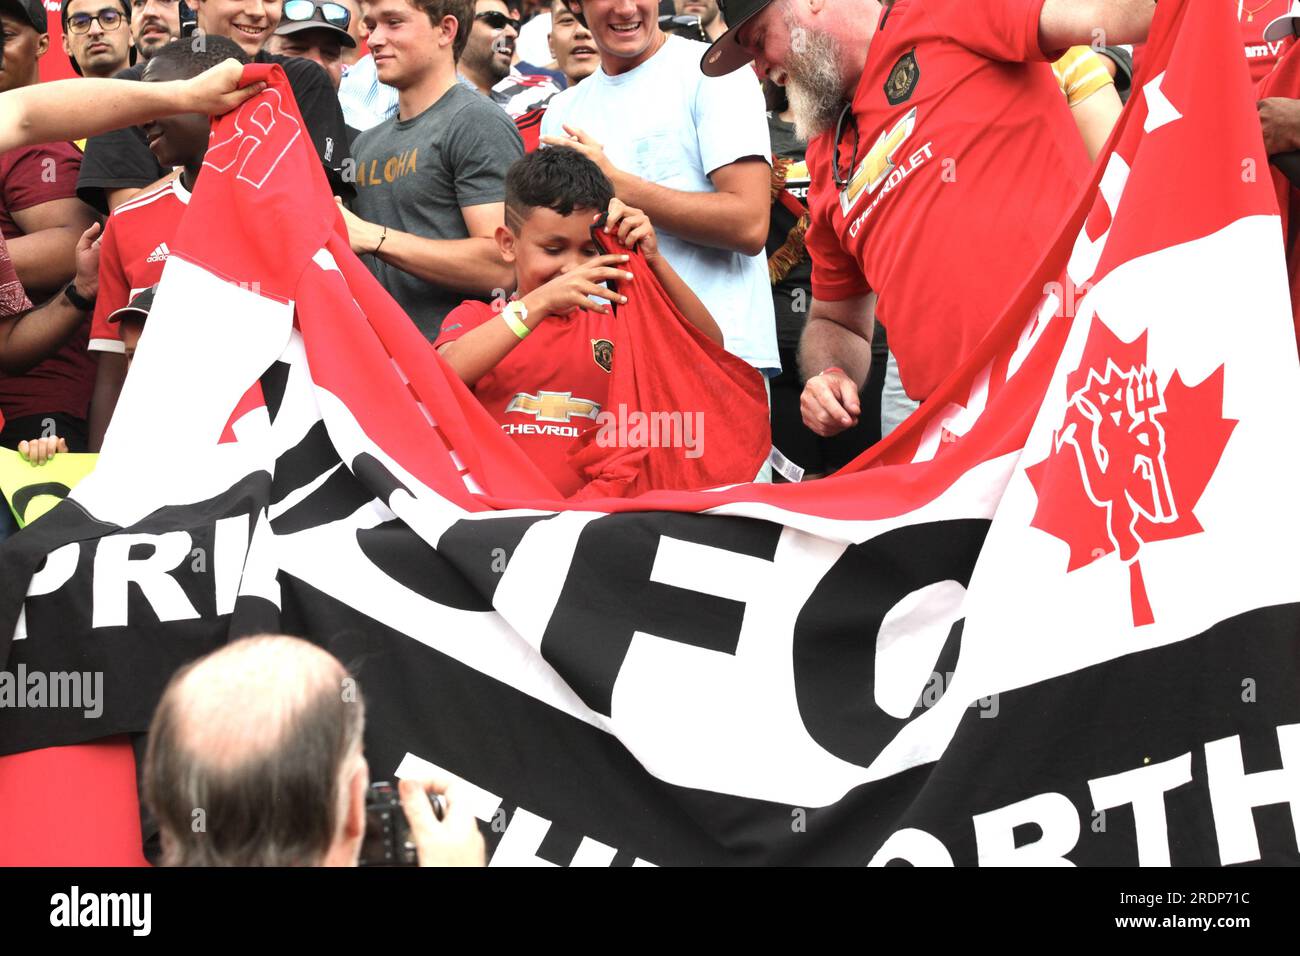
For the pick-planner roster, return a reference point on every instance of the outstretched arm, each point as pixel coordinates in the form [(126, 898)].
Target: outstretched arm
[(1067, 23), (74, 109)]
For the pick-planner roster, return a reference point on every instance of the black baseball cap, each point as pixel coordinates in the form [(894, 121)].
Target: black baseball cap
[(33, 11), (317, 22), (726, 55), (126, 15), (138, 307), (1283, 26)]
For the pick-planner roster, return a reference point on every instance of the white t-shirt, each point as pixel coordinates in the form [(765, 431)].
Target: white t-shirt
[(533, 46), (365, 101), (668, 123)]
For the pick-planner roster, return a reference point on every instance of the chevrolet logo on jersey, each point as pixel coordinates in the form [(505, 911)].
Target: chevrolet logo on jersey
[(553, 406), (880, 161)]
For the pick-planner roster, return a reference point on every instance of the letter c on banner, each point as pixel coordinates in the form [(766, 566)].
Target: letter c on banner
[(837, 632)]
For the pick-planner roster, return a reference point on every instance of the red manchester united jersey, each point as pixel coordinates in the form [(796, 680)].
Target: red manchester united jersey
[(967, 160), (550, 388), (133, 253), (1252, 16)]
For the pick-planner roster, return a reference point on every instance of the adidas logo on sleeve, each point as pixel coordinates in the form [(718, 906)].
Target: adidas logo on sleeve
[(134, 250)]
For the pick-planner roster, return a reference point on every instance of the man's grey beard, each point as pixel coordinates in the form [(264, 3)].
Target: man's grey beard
[(813, 82)]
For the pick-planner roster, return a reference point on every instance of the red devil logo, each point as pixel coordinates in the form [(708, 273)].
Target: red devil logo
[(1113, 424), (1131, 458)]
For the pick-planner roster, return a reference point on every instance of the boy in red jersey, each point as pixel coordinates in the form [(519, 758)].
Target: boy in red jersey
[(541, 365)]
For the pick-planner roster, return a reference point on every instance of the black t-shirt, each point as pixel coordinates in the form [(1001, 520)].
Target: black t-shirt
[(122, 160)]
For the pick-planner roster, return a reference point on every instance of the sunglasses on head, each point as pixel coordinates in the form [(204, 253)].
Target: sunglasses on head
[(497, 20), (300, 10)]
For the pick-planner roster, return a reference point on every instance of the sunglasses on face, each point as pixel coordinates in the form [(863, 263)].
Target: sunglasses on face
[(108, 20), (300, 10), (497, 21)]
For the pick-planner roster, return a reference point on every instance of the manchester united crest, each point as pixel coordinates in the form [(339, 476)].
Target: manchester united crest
[(902, 79), (1130, 459), (602, 350)]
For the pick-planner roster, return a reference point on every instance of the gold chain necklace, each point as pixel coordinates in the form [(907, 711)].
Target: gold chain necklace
[(1250, 14)]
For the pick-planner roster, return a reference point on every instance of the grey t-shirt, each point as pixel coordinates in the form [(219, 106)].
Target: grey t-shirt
[(415, 175)]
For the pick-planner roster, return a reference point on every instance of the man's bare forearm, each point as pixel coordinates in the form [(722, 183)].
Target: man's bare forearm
[(46, 261), (472, 266), (825, 344), (1066, 23), (684, 297), (73, 109), (29, 339), (720, 220)]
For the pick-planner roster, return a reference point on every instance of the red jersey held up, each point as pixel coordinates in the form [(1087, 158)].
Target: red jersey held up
[(133, 253), (551, 386), (967, 160)]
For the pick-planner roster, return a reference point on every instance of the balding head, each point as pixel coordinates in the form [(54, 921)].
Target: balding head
[(252, 754)]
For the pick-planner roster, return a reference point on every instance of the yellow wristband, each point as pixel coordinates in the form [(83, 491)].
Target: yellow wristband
[(516, 326)]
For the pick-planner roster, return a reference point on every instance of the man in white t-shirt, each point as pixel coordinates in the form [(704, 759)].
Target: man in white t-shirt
[(691, 151)]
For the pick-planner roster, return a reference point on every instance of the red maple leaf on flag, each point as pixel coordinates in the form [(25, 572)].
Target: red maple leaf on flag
[(1131, 457)]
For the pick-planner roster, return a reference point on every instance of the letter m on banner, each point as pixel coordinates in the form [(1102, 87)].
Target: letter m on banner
[(262, 135)]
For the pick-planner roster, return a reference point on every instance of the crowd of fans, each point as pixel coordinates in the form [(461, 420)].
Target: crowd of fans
[(423, 112)]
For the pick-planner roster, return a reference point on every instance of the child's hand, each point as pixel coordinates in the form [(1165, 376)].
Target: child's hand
[(40, 450), (633, 228), (569, 290)]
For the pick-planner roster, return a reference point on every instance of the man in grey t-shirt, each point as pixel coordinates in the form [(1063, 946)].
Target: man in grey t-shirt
[(431, 181)]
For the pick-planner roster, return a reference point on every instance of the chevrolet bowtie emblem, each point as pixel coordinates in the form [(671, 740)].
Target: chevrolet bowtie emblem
[(554, 406), (880, 161)]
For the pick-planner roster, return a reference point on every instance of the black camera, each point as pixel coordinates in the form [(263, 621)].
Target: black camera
[(388, 834)]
